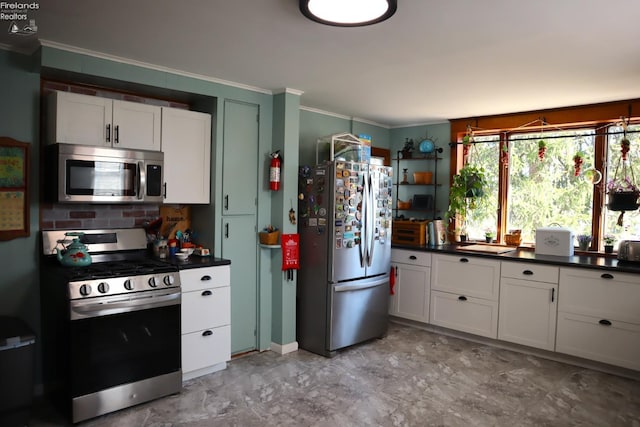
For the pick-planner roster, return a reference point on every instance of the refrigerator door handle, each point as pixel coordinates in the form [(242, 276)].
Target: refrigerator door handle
[(372, 219), (360, 286), (362, 245)]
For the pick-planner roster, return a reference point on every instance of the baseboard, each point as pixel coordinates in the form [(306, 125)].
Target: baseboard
[(284, 348), (186, 376)]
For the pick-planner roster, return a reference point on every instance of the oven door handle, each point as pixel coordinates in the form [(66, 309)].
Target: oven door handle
[(85, 309)]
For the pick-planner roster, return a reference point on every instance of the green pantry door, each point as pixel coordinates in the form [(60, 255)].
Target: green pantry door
[(239, 217)]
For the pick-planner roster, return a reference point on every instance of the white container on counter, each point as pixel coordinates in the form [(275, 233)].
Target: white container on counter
[(556, 241)]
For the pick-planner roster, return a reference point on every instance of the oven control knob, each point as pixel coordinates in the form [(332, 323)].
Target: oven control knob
[(85, 290), (103, 287), (128, 285), (168, 280), (152, 282)]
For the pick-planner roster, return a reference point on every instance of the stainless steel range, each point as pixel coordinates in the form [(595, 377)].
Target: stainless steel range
[(111, 330)]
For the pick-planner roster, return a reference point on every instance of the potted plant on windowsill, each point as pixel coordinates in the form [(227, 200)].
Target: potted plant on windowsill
[(584, 240), (488, 236), (608, 244)]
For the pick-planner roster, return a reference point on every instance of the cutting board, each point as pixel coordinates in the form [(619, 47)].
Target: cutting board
[(492, 249)]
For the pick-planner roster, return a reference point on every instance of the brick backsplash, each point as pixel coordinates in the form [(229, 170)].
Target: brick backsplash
[(87, 216)]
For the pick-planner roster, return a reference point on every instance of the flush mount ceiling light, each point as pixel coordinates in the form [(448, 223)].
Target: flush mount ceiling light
[(348, 13)]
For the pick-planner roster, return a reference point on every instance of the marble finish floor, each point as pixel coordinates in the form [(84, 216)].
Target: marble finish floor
[(410, 378)]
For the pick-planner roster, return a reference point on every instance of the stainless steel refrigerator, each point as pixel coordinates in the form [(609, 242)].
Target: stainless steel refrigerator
[(345, 255)]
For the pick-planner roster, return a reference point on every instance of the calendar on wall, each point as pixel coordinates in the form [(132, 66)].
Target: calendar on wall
[(14, 188)]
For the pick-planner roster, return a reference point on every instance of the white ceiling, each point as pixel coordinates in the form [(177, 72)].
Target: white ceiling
[(433, 60)]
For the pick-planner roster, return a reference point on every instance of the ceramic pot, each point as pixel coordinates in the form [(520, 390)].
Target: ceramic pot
[(623, 201)]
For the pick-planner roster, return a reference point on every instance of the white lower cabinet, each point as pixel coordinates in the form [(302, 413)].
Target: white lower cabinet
[(206, 320), (477, 316), (412, 276), (528, 304), (609, 341), (599, 316), (464, 294)]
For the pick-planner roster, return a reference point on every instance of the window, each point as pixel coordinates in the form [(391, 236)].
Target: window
[(631, 224), (530, 188), (483, 216)]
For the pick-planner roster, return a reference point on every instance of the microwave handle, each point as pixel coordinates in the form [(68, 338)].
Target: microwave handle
[(142, 180)]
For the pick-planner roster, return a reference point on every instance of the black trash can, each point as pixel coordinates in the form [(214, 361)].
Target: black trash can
[(17, 342)]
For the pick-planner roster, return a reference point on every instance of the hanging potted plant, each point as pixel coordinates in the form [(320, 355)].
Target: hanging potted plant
[(621, 189), (578, 159), (542, 149), (467, 187), (623, 194)]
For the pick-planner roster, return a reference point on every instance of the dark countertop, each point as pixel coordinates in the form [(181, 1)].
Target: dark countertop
[(594, 261), (195, 261)]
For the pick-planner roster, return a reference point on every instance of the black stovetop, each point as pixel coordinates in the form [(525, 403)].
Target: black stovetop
[(104, 266)]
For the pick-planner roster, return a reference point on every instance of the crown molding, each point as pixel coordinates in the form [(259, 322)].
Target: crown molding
[(290, 91), (370, 122), (114, 58), (326, 113)]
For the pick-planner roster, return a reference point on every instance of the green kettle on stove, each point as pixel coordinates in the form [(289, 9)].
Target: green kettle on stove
[(76, 254)]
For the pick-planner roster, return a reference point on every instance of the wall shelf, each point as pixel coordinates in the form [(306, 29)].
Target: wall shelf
[(422, 158)]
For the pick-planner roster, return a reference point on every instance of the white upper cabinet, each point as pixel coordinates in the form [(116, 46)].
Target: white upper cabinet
[(90, 120), (186, 144)]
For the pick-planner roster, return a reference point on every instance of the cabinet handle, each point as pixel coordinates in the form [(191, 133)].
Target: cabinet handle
[(226, 230), (226, 202), (207, 333), (464, 260), (205, 277), (117, 134), (528, 273), (607, 276), (605, 322), (462, 298), (108, 133), (553, 294), (413, 257), (206, 293)]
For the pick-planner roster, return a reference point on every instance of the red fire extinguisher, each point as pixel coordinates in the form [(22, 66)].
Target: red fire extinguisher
[(274, 171)]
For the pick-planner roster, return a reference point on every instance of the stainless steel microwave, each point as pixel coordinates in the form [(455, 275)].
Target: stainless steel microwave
[(88, 174)]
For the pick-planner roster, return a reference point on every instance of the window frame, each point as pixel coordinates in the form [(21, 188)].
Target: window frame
[(505, 125)]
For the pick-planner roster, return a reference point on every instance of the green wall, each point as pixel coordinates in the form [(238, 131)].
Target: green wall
[(19, 119), (314, 125)]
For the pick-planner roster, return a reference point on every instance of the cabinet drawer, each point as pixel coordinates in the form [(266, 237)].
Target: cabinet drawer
[(529, 271), (600, 294), (205, 348), (411, 257), (616, 344), (474, 315), (464, 275), (205, 278), (206, 308)]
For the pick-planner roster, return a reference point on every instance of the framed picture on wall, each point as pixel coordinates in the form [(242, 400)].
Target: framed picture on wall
[(14, 188)]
